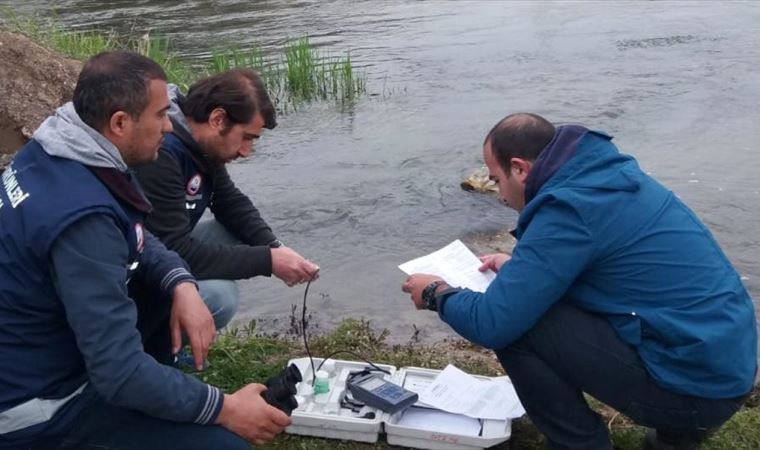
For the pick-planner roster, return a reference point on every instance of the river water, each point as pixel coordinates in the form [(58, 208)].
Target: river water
[(362, 188)]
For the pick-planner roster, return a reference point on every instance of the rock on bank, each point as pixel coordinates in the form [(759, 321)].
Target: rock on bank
[(34, 81)]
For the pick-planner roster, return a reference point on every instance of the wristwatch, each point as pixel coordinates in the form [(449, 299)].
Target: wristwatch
[(275, 244), (434, 300), (428, 295)]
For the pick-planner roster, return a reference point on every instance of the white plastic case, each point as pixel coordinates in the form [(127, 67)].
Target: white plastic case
[(322, 416)]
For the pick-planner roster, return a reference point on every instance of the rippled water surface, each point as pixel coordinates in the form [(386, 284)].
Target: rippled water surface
[(363, 188)]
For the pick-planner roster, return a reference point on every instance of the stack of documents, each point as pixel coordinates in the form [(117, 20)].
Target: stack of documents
[(456, 401)]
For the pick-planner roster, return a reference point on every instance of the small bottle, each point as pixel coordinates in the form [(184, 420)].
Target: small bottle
[(328, 366), (322, 382)]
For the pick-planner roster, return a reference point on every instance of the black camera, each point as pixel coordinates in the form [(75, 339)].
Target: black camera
[(281, 389)]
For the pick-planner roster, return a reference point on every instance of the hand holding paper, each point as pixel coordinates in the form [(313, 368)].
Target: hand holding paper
[(415, 286), (456, 264)]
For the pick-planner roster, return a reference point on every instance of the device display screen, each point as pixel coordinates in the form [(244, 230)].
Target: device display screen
[(372, 383)]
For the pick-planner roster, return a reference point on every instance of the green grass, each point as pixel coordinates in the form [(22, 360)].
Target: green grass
[(299, 74), (80, 45), (241, 356)]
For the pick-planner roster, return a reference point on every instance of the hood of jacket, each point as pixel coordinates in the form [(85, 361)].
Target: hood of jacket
[(179, 122), (65, 135), (576, 159), (182, 129), (581, 158)]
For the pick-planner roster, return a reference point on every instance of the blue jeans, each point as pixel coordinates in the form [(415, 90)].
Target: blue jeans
[(221, 296), (571, 351)]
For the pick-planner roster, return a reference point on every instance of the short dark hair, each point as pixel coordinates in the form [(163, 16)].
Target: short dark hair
[(239, 92), (520, 135), (114, 81)]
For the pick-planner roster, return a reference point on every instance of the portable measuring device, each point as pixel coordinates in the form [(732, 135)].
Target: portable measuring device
[(379, 393)]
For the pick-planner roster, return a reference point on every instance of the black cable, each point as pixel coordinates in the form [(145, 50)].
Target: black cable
[(306, 342), (303, 330), (355, 355)]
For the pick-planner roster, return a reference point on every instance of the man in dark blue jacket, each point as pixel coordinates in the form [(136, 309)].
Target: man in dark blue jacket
[(82, 365), (217, 122), (614, 288)]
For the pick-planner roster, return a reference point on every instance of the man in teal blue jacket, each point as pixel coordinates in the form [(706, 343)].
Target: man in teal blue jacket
[(614, 288)]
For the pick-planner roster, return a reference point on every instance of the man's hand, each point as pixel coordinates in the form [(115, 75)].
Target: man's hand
[(494, 261), (246, 414), (415, 284), (291, 267), (191, 315)]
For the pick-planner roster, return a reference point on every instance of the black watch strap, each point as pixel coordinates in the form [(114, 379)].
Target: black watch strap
[(428, 295), (440, 297)]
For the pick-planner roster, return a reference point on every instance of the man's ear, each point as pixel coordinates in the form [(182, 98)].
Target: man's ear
[(218, 119), (520, 168), (119, 123)]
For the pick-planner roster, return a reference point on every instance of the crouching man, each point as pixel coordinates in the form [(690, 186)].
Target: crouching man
[(614, 288)]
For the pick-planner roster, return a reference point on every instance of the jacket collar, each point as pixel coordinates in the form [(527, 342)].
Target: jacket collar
[(557, 152), (203, 161)]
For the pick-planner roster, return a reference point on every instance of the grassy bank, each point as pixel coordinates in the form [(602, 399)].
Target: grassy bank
[(298, 74), (244, 357)]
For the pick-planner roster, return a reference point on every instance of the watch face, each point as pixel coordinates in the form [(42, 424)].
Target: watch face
[(428, 296)]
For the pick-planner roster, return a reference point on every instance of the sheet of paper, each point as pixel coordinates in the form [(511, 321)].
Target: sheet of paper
[(456, 264), (440, 421), (417, 384), (516, 410), (458, 392)]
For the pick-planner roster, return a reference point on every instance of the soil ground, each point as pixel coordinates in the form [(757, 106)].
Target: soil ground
[(34, 81)]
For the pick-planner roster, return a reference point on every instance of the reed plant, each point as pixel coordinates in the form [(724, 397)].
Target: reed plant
[(79, 45), (253, 58), (301, 69), (298, 75), (158, 48), (75, 44)]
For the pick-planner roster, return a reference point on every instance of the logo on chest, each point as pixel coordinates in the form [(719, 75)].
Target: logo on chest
[(194, 184), (139, 237)]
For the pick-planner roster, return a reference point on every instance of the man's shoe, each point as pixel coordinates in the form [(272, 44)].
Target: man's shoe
[(668, 440)]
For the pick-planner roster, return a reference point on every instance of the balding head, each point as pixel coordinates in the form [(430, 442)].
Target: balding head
[(520, 135)]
